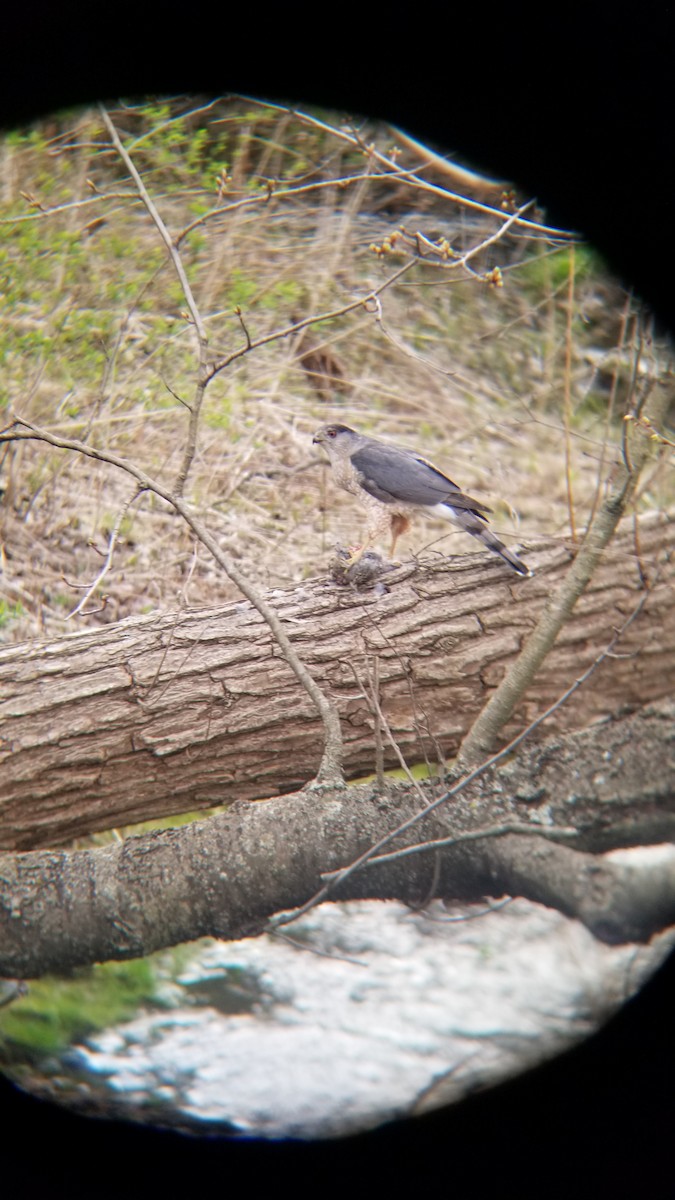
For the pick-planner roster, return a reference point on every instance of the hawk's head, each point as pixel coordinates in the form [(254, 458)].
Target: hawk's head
[(331, 434)]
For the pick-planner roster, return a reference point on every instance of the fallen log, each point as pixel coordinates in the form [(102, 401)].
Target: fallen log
[(172, 712)]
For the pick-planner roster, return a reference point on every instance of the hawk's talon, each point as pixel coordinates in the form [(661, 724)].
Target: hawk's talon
[(355, 556)]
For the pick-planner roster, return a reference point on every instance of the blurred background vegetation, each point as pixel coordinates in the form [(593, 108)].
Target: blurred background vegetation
[(281, 216), (512, 371)]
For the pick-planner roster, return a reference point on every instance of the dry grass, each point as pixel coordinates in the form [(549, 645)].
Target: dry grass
[(97, 347)]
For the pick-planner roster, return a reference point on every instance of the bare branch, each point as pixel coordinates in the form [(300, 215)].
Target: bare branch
[(161, 227), (330, 768), (556, 834), (567, 399), (443, 251), (279, 193), (44, 212), (499, 708), (381, 723), (114, 534), (220, 364), (202, 376), (411, 177), (610, 407)]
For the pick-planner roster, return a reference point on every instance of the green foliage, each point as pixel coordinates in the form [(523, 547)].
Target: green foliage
[(240, 289), (10, 612), (593, 405), (284, 293), (542, 272), (198, 208), (62, 600), (58, 1011), (126, 525), (418, 771), (244, 291), (219, 418), (96, 343), (18, 139)]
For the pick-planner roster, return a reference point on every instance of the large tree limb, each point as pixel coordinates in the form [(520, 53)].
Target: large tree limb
[(163, 714), (228, 875)]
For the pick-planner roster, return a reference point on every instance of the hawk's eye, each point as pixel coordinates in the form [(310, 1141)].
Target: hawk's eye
[(331, 432)]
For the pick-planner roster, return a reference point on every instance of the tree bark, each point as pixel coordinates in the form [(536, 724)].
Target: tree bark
[(165, 714), (225, 877)]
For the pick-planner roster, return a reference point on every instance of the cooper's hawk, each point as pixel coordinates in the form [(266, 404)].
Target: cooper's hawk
[(392, 484)]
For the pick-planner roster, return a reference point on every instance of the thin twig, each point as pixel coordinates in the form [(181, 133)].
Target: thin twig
[(200, 329), (443, 251), (309, 948), (611, 403), (379, 748), (279, 193), (411, 177), (554, 833), (381, 722), (439, 919), (330, 768), (114, 534), (413, 703), (219, 365), (42, 213), (567, 397), (481, 737), (159, 224), (632, 406)]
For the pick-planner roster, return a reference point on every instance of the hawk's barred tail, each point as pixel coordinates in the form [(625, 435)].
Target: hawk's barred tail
[(473, 524), (493, 543)]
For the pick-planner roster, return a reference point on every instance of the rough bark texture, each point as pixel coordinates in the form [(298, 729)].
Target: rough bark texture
[(163, 714), (228, 875)]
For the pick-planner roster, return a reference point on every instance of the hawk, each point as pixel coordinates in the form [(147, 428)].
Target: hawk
[(392, 484)]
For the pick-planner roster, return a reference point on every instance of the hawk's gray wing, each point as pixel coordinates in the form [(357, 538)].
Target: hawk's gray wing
[(392, 475)]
